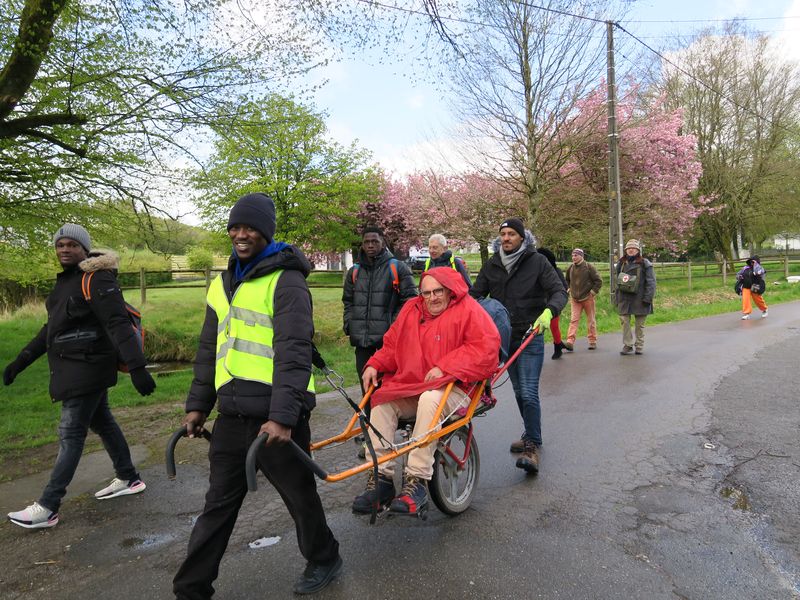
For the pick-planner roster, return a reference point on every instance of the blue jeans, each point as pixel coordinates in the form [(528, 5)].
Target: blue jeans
[(524, 373), (78, 415)]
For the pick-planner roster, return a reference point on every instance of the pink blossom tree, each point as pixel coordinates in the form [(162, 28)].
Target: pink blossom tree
[(659, 174)]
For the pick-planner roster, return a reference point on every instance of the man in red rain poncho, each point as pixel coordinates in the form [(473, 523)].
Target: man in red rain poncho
[(440, 336)]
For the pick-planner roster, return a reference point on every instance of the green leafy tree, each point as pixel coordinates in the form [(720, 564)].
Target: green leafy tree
[(99, 98), (279, 146)]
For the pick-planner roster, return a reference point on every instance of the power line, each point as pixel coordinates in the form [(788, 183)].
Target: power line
[(703, 83), (715, 20)]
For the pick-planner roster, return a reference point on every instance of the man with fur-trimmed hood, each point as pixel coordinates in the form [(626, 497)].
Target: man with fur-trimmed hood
[(86, 336)]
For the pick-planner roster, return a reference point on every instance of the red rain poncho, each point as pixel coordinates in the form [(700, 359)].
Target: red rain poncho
[(462, 341)]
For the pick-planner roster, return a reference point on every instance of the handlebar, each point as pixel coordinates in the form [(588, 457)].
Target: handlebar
[(169, 459)]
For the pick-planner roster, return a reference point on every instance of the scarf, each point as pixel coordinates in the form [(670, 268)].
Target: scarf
[(241, 270), (509, 260)]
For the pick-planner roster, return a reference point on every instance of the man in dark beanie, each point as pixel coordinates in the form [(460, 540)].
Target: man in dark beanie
[(257, 371), (87, 334), (525, 282)]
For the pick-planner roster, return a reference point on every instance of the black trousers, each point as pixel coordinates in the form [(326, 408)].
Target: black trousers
[(363, 354), (295, 483)]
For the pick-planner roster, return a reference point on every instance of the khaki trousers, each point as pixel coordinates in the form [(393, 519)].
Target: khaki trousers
[(384, 418), (627, 335), (587, 306)]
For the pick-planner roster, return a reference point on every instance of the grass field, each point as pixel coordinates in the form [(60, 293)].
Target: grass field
[(173, 317)]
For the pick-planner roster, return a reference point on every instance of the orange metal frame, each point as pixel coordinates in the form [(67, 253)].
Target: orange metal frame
[(352, 429)]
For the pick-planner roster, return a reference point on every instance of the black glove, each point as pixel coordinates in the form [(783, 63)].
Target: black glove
[(13, 369), (142, 381)]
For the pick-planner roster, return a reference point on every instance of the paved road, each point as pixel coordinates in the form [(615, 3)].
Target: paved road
[(668, 475)]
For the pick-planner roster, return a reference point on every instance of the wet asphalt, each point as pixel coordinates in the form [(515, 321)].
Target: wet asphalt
[(668, 475)]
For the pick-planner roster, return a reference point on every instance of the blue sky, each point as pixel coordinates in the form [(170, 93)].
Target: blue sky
[(396, 114)]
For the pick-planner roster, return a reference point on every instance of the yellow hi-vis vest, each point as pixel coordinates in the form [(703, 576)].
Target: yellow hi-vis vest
[(452, 263), (244, 330)]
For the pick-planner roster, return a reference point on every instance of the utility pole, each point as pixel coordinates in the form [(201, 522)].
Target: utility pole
[(614, 200)]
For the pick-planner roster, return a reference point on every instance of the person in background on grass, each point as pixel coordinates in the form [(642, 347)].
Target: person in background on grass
[(254, 362), (527, 285), (440, 256), (636, 288), (751, 278), (85, 340), (555, 327), (584, 284)]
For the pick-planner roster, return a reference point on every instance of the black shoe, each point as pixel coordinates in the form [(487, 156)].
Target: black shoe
[(362, 503), (557, 351), (316, 577)]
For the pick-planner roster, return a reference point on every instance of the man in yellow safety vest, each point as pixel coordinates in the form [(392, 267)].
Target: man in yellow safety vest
[(254, 359)]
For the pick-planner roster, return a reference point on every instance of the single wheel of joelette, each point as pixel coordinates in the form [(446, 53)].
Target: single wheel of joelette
[(452, 487)]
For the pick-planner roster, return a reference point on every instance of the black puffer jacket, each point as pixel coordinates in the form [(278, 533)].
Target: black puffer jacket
[(370, 302), (530, 287), (84, 340), (293, 330)]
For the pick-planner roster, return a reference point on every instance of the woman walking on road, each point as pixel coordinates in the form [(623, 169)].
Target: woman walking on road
[(636, 287)]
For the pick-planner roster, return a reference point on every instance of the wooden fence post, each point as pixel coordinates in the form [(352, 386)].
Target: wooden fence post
[(143, 285), (689, 271), (208, 277), (786, 266), (724, 272)]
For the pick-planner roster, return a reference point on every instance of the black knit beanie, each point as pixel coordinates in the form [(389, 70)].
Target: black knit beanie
[(515, 224), (256, 210)]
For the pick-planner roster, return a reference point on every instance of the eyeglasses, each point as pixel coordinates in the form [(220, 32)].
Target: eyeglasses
[(436, 293)]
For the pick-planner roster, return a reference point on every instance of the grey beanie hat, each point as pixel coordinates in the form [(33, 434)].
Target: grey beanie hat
[(74, 232)]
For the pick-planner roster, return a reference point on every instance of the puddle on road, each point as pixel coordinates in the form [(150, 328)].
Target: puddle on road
[(146, 543), (740, 501)]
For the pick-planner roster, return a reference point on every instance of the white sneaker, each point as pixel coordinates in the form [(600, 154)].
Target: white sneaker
[(34, 516), (765, 314), (745, 317), (118, 487)]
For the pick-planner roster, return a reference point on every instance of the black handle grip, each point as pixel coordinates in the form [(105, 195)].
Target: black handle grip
[(250, 462), (169, 459)]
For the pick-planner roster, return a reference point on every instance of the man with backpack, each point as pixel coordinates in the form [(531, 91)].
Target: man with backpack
[(375, 289), (87, 336)]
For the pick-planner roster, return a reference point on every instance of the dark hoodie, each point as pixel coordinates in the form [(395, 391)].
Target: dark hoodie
[(293, 329)]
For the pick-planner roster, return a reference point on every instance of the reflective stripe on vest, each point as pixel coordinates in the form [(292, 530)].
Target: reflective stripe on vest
[(244, 333), (452, 263)]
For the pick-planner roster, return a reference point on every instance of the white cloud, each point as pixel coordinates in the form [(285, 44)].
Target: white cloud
[(416, 101)]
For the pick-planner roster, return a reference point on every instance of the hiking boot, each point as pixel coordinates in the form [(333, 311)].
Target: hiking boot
[(530, 458), (120, 487), (592, 345), (764, 314), (626, 350), (568, 346), (639, 351), (34, 516), (557, 351), (317, 576), (517, 446), (362, 503), (745, 317), (413, 498)]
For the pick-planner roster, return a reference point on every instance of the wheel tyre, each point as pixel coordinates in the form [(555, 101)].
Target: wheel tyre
[(451, 490)]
